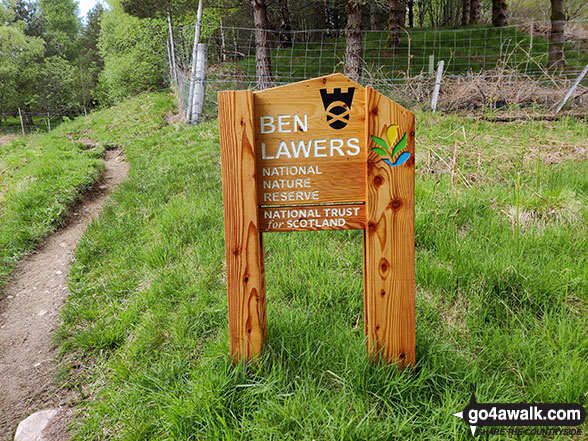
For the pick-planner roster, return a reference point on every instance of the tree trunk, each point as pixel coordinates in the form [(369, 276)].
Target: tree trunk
[(395, 21), (285, 24), (499, 13), (474, 11), (28, 117), (263, 65), (556, 38), (465, 12), (422, 14), (353, 55), (410, 5), (402, 18), (375, 18)]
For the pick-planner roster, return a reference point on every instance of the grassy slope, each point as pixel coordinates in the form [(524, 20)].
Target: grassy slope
[(40, 177), (472, 48), (498, 304)]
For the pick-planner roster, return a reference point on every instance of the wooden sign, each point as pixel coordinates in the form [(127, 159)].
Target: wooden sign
[(321, 154)]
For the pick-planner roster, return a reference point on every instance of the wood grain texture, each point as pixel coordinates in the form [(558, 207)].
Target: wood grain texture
[(312, 218), (339, 182), (389, 238), (243, 247), (342, 177)]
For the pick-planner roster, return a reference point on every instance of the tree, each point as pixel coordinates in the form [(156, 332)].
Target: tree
[(285, 23), (499, 13), (376, 14), (29, 12), (474, 11), (158, 9), (262, 51), (90, 62), (19, 54), (63, 27), (133, 51), (410, 6), (55, 89), (465, 12), (556, 37), (396, 20), (353, 52)]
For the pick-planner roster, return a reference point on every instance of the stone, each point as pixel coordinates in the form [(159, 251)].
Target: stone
[(31, 427)]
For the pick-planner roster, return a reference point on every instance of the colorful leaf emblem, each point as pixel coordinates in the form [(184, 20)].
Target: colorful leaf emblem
[(391, 134)]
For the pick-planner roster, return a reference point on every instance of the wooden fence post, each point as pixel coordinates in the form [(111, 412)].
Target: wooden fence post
[(437, 85), (389, 278), (21, 121), (243, 244), (572, 89)]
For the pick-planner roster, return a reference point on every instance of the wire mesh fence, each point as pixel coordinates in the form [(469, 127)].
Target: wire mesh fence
[(498, 61), (24, 122)]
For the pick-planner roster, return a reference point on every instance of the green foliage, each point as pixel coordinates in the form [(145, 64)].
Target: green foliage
[(18, 53), (90, 61), (41, 69), (28, 11), (540, 10), (500, 304), (63, 27), (55, 86), (156, 8), (134, 55)]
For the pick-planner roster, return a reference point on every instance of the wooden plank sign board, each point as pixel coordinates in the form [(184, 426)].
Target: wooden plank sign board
[(321, 154)]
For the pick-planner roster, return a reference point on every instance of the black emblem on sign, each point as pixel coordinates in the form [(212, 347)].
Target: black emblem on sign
[(337, 105)]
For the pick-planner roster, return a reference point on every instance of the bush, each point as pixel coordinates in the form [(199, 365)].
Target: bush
[(134, 56)]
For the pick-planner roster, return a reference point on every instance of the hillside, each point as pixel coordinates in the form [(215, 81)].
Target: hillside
[(502, 294)]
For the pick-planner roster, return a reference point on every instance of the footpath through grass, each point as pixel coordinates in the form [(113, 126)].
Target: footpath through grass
[(40, 177), (502, 293)]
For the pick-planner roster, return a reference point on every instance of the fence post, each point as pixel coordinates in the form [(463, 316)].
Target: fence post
[(431, 64), (194, 62), (223, 43), (172, 48), (197, 103), (21, 122), (437, 86), (572, 89), (49, 122)]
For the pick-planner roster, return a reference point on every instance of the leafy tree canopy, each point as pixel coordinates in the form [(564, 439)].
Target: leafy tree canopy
[(156, 8)]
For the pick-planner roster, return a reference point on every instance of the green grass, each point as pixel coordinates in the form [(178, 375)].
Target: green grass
[(501, 302), (11, 125), (473, 48), (40, 177)]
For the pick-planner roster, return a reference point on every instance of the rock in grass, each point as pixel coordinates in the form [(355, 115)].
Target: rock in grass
[(31, 427)]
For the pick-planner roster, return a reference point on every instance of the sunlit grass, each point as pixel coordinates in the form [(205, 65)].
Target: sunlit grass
[(500, 303), (40, 177)]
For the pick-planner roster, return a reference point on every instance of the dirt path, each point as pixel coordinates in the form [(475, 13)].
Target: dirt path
[(29, 310)]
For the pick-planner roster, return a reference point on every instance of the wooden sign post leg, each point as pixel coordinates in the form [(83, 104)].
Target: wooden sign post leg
[(243, 247), (389, 282)]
